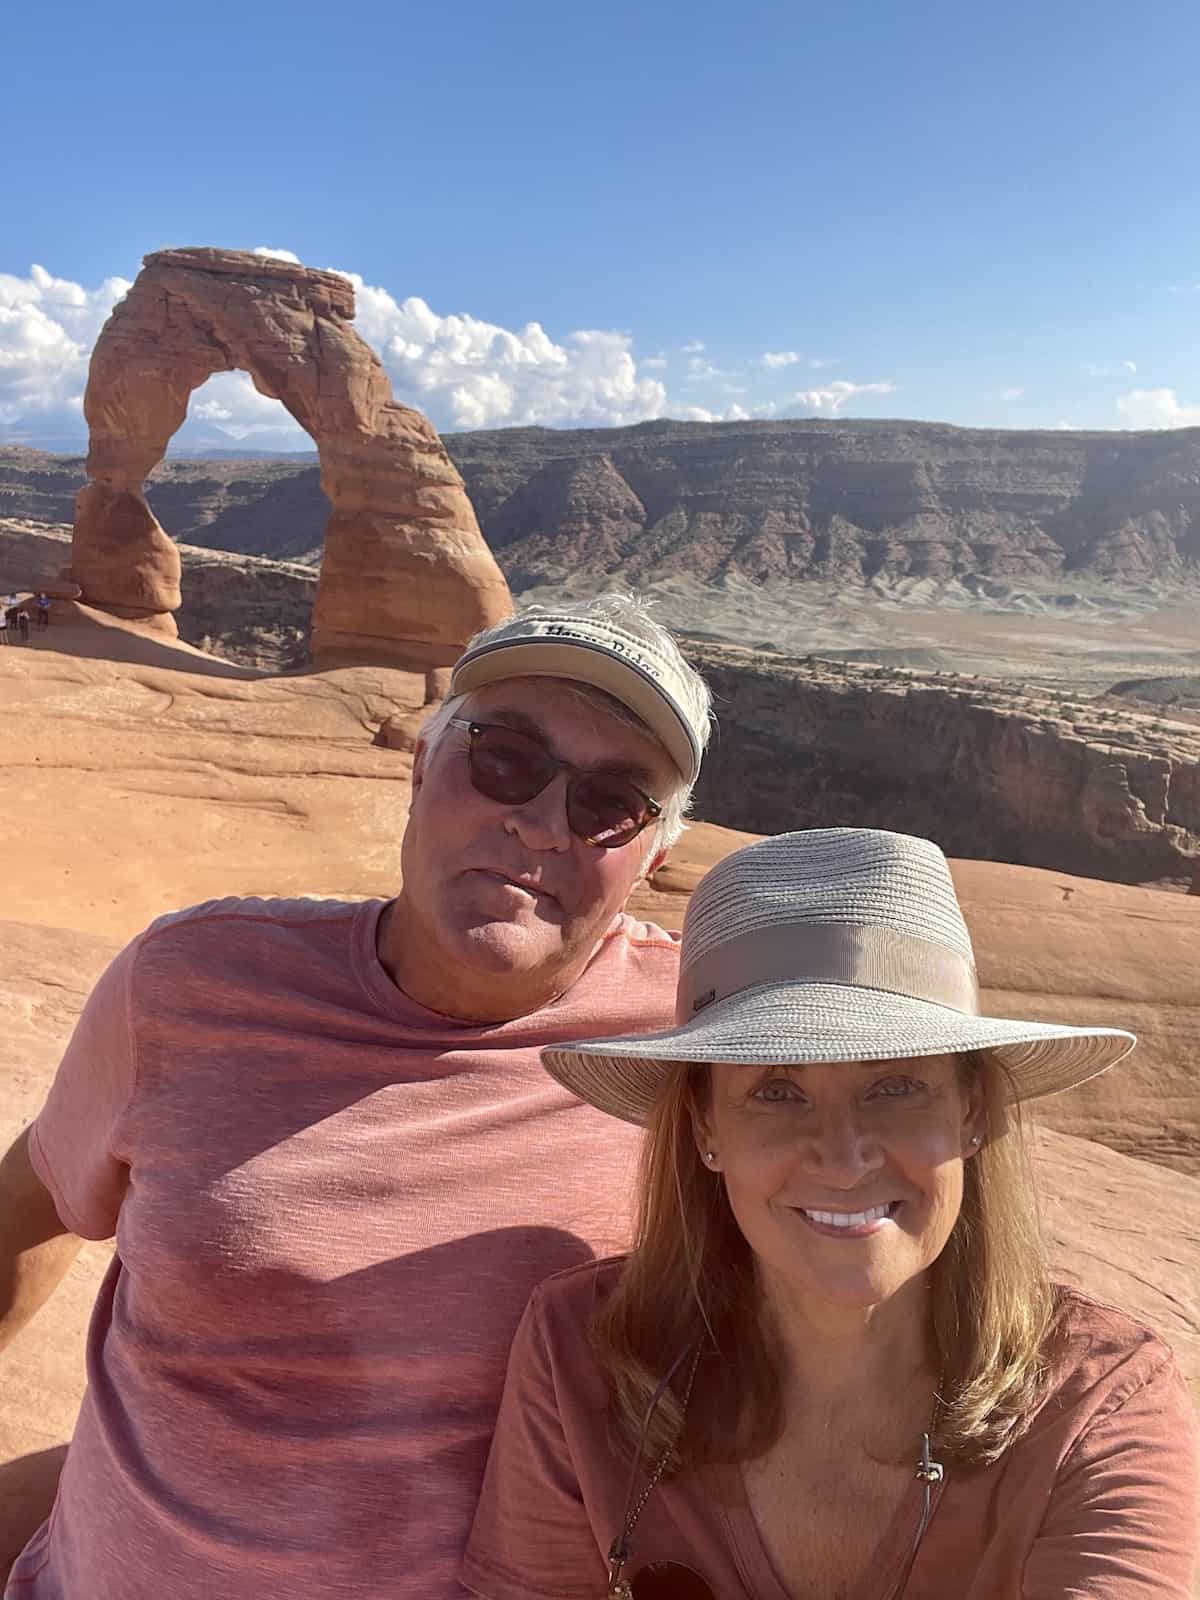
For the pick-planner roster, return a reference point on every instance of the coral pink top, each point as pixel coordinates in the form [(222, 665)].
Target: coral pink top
[(331, 1207), (1098, 1501)]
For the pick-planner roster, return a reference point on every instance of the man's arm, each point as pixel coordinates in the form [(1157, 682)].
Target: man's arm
[(35, 1247)]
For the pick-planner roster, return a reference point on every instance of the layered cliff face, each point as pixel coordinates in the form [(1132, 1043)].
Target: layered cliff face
[(761, 500), (982, 767), (836, 499)]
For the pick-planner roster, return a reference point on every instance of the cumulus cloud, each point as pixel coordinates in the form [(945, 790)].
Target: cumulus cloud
[(47, 328), (694, 348), (1157, 408), (469, 373), (276, 255), (655, 363), (735, 413), (233, 408), (840, 393)]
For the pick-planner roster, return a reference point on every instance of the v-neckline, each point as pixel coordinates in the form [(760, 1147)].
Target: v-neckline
[(758, 1569)]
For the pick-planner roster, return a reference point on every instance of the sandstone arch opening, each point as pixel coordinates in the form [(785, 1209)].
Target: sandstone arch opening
[(257, 471), (406, 576)]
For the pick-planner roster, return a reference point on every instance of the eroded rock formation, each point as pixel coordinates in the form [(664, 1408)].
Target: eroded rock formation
[(406, 576)]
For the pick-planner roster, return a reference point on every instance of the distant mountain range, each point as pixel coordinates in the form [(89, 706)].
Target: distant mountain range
[(759, 500)]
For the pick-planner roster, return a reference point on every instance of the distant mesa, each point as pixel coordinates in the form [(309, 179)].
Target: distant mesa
[(406, 576)]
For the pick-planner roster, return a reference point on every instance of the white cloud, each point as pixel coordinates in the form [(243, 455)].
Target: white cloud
[(1157, 408), (655, 363), (735, 413), (1107, 372), (701, 371), (47, 328), (793, 358), (1009, 394), (694, 348), (838, 394), (276, 255), (1130, 366), (233, 408)]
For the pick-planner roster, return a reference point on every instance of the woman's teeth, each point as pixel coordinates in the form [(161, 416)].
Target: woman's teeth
[(851, 1219)]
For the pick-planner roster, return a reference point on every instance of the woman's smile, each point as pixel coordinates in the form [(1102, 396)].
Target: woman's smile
[(851, 1224)]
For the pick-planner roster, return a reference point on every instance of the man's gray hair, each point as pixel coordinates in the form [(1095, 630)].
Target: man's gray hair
[(632, 614)]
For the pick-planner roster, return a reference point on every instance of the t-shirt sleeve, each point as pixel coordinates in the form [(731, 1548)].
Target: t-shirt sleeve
[(1122, 1523), (532, 1539), (74, 1143)]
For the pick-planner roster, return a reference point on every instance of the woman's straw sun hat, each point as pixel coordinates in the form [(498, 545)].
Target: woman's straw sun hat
[(835, 944)]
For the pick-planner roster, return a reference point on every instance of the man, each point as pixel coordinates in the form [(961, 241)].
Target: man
[(333, 1164)]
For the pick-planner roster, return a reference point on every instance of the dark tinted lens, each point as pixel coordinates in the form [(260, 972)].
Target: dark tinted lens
[(605, 811), (507, 766), (669, 1580)]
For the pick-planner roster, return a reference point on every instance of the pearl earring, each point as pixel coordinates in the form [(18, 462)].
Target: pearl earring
[(976, 1141), (710, 1156)]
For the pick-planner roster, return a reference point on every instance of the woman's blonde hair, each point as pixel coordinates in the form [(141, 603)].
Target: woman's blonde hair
[(690, 1277)]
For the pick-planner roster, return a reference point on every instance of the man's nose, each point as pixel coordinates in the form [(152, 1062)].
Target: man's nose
[(541, 823)]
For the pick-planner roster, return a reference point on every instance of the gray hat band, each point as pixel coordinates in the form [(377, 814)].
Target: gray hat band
[(829, 952)]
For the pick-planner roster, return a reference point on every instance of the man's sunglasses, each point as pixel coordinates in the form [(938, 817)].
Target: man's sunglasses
[(603, 808)]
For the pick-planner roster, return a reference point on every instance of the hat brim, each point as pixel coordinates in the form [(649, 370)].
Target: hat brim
[(579, 661), (794, 1024)]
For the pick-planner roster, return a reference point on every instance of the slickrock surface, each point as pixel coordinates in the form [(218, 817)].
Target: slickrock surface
[(406, 576), (142, 775), (986, 768)]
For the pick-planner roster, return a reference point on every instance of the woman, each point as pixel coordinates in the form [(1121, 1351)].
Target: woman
[(832, 1365)]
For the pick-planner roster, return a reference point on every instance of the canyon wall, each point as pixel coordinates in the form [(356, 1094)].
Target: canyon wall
[(763, 500), (985, 768)]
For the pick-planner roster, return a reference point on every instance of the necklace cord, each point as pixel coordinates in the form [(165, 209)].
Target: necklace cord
[(618, 1553)]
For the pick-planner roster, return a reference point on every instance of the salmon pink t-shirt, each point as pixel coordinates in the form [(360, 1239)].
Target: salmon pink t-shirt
[(331, 1206), (1098, 1501)]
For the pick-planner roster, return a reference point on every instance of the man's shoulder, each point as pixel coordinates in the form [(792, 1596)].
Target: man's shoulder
[(253, 910), (230, 929)]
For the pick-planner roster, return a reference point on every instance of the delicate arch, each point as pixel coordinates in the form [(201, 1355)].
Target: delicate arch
[(406, 577)]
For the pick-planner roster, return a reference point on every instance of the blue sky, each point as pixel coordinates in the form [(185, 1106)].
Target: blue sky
[(978, 214)]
